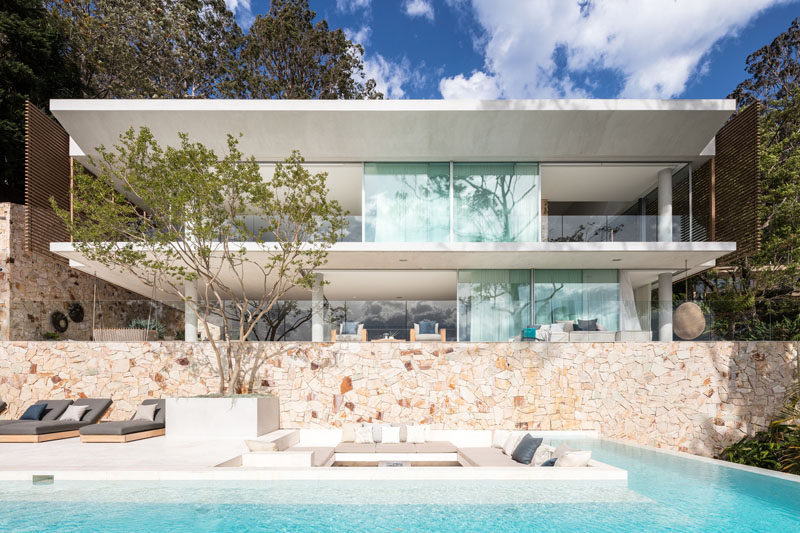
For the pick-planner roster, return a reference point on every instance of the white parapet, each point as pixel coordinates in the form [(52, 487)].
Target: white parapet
[(222, 418)]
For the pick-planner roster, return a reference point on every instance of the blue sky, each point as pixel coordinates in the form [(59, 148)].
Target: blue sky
[(553, 48)]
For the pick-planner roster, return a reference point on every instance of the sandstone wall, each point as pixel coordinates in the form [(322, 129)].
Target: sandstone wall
[(33, 285), (689, 396)]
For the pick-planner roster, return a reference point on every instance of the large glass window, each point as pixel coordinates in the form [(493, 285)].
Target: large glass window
[(493, 305), (496, 202), (576, 294), (407, 202)]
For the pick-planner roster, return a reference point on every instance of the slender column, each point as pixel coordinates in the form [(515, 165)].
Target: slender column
[(665, 307), (665, 205), (317, 302), (189, 313)]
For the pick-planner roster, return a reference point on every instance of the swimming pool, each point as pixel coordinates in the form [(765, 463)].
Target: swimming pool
[(664, 492)]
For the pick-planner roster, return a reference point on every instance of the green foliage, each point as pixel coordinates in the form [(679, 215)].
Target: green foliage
[(33, 66), (287, 55), (143, 323), (50, 336), (775, 448), (199, 214)]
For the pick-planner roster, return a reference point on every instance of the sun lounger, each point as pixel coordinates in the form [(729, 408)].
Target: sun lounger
[(50, 427), (128, 430)]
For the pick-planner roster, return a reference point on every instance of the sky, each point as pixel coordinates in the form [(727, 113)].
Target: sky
[(491, 49)]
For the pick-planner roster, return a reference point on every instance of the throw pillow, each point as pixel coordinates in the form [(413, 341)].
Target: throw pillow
[(350, 328), (574, 459), (550, 462), (569, 325), (557, 328), (34, 412), (403, 431), (427, 327), (349, 432), (364, 435), (390, 435), (543, 453), (415, 434), (588, 325), (146, 412), (499, 437), (561, 449), (511, 443), (74, 413), (529, 333), (524, 451), (260, 446)]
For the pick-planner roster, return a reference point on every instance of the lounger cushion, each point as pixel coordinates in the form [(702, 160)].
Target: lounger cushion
[(34, 412), (352, 447), (55, 408), (435, 447), (39, 427), (124, 427), (487, 457), (398, 447), (429, 337)]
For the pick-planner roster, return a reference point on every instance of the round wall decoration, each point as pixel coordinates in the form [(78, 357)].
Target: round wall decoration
[(688, 321), (59, 321), (75, 312)]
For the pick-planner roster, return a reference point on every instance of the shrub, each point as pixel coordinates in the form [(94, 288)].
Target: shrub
[(142, 323)]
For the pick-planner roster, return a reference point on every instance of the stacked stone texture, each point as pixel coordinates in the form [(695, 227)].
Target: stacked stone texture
[(689, 396)]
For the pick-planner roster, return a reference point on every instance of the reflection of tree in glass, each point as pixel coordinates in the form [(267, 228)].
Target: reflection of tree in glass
[(491, 202)]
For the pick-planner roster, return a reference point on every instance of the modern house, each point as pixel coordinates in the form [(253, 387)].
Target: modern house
[(482, 217)]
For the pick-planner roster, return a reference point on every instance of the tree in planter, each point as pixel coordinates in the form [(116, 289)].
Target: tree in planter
[(192, 226)]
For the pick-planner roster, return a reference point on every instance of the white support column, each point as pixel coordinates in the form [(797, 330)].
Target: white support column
[(665, 307), (189, 313), (317, 303), (665, 205)]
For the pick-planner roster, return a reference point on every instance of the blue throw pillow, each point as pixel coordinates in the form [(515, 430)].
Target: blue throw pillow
[(427, 327), (524, 451), (549, 462), (529, 333), (34, 412)]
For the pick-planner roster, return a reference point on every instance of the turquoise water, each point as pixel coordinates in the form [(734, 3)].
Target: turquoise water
[(663, 493)]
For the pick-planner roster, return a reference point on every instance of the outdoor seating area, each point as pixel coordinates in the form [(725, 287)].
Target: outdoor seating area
[(148, 421), (48, 420)]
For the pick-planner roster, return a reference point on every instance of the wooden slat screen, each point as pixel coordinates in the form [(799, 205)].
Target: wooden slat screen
[(47, 174), (738, 185)]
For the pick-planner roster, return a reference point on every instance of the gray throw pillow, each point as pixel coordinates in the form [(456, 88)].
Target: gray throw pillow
[(146, 412), (74, 413), (524, 451), (588, 325), (427, 327), (350, 328)]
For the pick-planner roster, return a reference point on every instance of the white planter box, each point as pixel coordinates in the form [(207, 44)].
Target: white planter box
[(222, 418)]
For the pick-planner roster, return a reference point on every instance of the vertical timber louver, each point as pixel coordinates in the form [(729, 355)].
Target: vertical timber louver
[(47, 175)]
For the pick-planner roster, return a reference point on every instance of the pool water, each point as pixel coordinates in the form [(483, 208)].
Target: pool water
[(663, 493)]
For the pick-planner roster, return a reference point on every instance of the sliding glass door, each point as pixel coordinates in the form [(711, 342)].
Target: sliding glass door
[(493, 305), (572, 295)]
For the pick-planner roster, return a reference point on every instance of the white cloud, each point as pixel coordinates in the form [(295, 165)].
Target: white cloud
[(419, 8), (360, 36), (242, 10), (478, 85), (653, 47), (349, 6), (391, 77)]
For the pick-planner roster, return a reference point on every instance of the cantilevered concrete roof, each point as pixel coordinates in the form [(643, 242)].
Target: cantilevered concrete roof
[(579, 130)]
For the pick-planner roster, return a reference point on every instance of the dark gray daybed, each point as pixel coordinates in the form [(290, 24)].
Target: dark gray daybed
[(50, 427), (128, 430)]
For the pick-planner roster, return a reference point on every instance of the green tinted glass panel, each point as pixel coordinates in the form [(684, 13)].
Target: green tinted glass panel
[(493, 305), (496, 202), (407, 202), (576, 294)]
